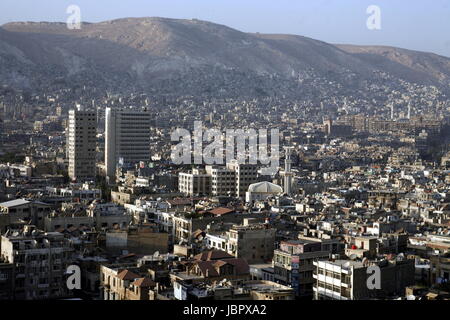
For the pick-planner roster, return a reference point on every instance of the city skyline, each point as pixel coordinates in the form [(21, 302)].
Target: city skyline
[(180, 159)]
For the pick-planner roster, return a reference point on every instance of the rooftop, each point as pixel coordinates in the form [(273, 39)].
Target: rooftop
[(14, 203)]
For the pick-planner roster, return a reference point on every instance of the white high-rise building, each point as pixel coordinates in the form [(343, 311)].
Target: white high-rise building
[(81, 144), (127, 137)]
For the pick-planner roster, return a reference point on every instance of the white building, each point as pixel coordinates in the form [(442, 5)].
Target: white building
[(84, 193), (127, 137), (261, 191), (196, 182), (347, 279), (82, 132), (231, 180)]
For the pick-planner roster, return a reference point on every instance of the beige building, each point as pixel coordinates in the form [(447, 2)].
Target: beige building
[(124, 283), (293, 263), (20, 210), (139, 240), (82, 142), (254, 243)]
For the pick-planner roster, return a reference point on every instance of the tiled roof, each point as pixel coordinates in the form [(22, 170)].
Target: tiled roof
[(221, 211), (212, 255), (144, 283), (127, 275)]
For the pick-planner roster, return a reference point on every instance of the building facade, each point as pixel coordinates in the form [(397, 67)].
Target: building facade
[(39, 260), (194, 183), (347, 279), (81, 144), (127, 137)]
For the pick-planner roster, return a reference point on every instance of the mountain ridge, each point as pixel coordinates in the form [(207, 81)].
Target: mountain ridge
[(148, 52)]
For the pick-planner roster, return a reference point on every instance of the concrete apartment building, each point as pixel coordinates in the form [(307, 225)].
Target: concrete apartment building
[(79, 193), (98, 215), (223, 181), (194, 183), (6, 280), (245, 175), (20, 210), (108, 215), (347, 279), (293, 263), (245, 290), (138, 240), (440, 266), (231, 180), (184, 227), (81, 144), (362, 247), (254, 243), (39, 260), (127, 137)]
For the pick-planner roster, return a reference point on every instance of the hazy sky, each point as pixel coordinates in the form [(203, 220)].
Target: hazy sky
[(414, 24)]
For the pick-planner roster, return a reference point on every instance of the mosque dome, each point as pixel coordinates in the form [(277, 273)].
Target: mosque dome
[(265, 187)]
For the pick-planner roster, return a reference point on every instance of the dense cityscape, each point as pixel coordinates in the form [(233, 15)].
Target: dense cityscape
[(94, 207)]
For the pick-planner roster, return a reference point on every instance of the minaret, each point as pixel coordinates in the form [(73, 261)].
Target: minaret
[(287, 171), (392, 112), (409, 111)]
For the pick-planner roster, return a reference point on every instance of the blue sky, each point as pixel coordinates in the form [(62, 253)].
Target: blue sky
[(414, 24)]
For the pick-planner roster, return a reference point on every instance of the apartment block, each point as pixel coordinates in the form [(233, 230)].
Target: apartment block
[(40, 261), (127, 137), (82, 135), (245, 175), (193, 183), (293, 264), (347, 279)]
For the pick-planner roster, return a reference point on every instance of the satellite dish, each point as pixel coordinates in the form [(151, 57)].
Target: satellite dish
[(156, 254), (411, 297), (353, 257)]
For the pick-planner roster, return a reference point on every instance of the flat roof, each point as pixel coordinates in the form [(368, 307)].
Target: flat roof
[(14, 203), (345, 263)]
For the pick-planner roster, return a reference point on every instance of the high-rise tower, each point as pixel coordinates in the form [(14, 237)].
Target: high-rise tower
[(127, 137), (81, 144)]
